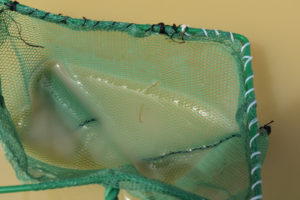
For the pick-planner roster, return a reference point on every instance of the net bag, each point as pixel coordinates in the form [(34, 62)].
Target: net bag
[(158, 111)]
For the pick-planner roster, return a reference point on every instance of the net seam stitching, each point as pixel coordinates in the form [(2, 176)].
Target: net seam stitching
[(255, 170)]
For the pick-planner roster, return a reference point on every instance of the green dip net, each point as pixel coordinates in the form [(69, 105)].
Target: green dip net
[(161, 112)]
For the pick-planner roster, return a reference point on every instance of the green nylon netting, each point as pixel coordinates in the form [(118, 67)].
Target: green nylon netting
[(159, 111)]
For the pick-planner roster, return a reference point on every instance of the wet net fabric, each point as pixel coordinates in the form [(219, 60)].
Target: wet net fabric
[(160, 115)]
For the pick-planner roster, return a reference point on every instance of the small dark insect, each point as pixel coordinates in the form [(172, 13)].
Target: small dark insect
[(87, 121), (129, 25), (267, 127), (64, 21), (162, 30), (96, 23), (85, 20), (175, 28), (12, 5)]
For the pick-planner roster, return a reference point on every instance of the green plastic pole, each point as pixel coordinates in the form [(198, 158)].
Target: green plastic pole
[(16, 188)]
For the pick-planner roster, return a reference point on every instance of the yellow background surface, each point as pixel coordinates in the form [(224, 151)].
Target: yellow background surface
[(272, 26)]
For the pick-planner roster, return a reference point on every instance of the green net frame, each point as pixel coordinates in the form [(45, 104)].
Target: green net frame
[(113, 179)]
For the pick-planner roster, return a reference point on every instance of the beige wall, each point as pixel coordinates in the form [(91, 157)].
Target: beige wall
[(272, 26)]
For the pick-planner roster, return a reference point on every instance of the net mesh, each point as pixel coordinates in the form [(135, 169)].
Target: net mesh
[(160, 118)]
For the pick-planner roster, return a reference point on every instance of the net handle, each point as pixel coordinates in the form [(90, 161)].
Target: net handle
[(35, 187), (110, 193), (15, 188)]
